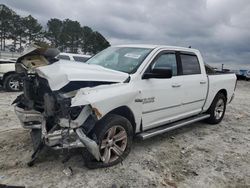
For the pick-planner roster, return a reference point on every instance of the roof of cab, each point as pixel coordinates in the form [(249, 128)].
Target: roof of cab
[(151, 46)]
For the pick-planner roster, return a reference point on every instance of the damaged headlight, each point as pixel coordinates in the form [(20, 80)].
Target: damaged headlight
[(67, 111), (75, 111)]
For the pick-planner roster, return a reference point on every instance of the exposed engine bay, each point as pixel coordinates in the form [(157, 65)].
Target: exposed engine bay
[(40, 108)]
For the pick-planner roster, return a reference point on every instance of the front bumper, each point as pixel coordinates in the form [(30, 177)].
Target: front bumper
[(30, 119)]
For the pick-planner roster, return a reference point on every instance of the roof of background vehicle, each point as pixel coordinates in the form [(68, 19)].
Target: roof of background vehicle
[(158, 46), (8, 60), (72, 54)]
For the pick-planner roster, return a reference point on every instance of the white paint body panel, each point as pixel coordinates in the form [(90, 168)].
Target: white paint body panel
[(6, 66), (62, 72), (218, 82)]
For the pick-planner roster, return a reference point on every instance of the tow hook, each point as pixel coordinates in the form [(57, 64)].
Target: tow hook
[(91, 145)]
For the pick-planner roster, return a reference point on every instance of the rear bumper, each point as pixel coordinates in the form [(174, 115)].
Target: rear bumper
[(30, 119)]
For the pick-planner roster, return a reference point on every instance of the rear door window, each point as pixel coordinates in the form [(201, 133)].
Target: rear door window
[(190, 64)]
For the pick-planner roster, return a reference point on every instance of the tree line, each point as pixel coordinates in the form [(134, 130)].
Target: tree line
[(66, 35)]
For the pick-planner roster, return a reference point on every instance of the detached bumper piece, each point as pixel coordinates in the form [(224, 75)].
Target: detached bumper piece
[(30, 119), (91, 145)]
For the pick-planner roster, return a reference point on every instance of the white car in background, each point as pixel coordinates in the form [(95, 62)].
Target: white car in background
[(9, 79), (73, 57)]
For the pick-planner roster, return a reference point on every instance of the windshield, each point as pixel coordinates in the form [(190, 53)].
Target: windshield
[(124, 59)]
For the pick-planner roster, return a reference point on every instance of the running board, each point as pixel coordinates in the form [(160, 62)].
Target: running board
[(159, 130)]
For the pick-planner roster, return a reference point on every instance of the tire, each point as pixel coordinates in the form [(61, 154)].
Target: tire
[(114, 136), (217, 109), (12, 82)]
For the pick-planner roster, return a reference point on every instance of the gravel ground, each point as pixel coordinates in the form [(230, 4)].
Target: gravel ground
[(199, 155)]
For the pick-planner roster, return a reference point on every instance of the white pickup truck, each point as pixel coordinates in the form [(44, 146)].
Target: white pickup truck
[(122, 92)]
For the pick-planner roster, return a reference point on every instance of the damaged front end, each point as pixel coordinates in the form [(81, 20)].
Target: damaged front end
[(40, 108), (61, 125)]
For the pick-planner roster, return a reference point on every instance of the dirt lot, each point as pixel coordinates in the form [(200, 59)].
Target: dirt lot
[(199, 155)]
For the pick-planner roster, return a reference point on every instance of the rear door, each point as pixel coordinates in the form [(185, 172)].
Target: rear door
[(194, 84)]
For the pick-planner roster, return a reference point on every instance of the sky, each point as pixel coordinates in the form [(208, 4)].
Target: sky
[(220, 29)]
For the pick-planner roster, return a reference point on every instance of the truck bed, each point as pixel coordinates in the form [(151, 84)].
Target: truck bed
[(215, 83)]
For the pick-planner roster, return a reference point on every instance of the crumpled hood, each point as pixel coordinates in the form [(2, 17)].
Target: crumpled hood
[(62, 72)]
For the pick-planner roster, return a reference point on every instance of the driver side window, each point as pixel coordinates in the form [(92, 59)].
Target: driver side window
[(167, 60)]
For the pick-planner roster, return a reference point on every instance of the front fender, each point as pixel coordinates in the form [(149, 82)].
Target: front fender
[(105, 98)]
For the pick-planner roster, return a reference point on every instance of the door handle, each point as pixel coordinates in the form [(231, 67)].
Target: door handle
[(176, 85), (203, 82)]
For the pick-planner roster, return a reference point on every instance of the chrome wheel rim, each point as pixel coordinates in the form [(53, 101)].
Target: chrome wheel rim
[(113, 144), (14, 84), (219, 109)]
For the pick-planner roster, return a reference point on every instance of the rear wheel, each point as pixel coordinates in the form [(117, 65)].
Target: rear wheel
[(12, 82), (114, 135), (217, 109)]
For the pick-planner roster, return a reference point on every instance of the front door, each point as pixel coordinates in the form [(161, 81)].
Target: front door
[(161, 97)]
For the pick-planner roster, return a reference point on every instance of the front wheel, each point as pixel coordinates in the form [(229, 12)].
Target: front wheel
[(217, 109), (114, 135)]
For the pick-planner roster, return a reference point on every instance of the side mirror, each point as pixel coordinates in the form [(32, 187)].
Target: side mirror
[(159, 72)]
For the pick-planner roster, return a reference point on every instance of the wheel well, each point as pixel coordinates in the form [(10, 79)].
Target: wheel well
[(7, 74), (127, 113), (224, 92)]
